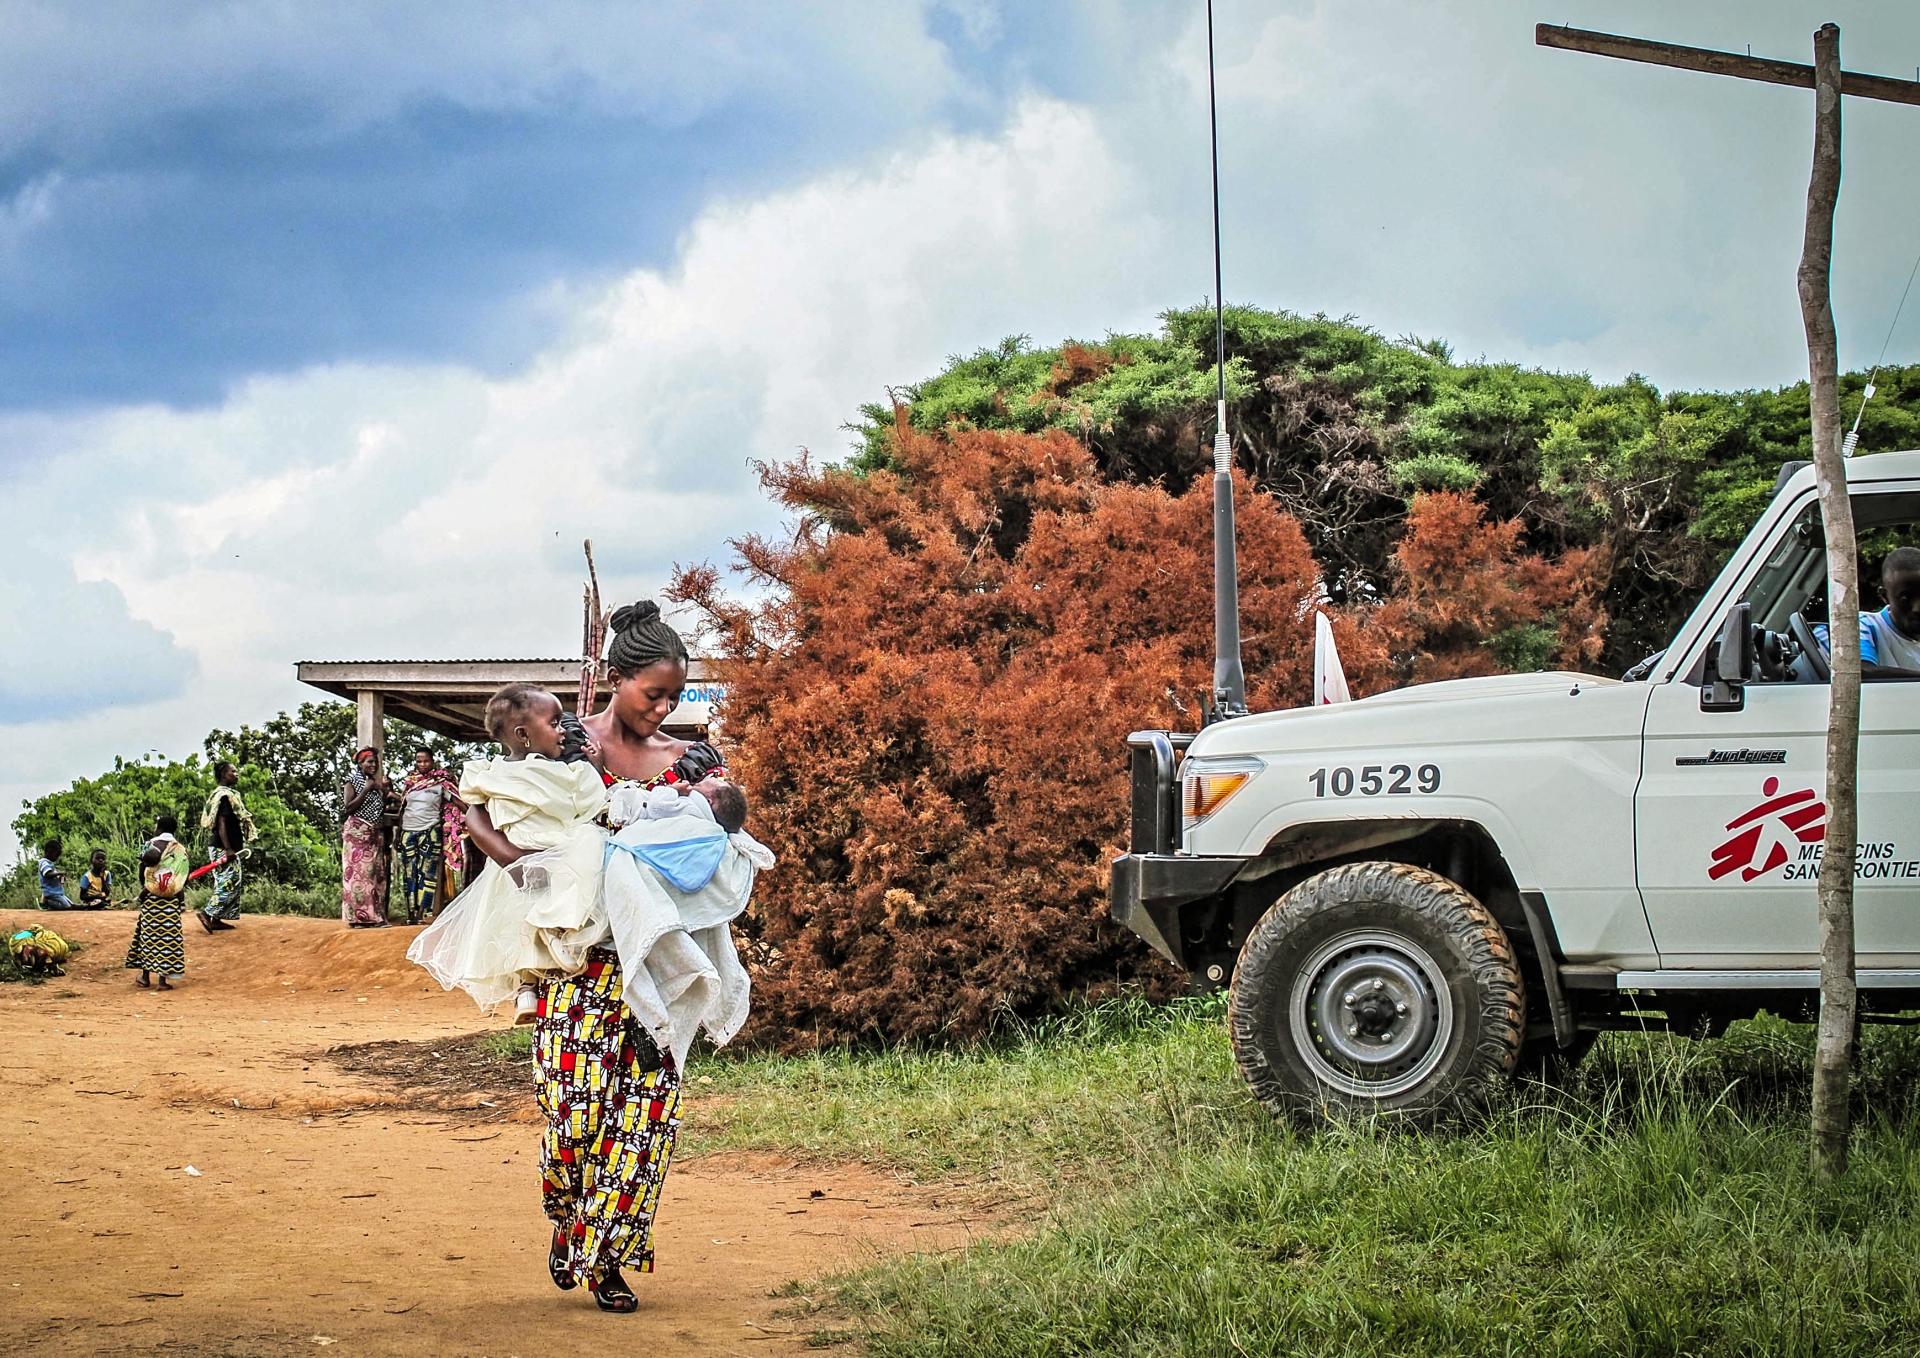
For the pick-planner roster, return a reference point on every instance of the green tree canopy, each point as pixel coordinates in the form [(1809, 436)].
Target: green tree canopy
[(1346, 427), (291, 767), (305, 755), (116, 812)]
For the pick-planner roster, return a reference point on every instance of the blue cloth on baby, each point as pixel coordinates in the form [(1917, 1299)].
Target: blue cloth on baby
[(687, 864)]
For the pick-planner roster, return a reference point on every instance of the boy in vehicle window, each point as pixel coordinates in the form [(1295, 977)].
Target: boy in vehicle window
[(1890, 639)]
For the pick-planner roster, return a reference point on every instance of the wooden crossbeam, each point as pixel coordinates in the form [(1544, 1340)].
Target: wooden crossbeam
[(440, 711), (1721, 63)]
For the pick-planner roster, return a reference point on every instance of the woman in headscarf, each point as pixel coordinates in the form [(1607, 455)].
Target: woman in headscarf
[(158, 948), (430, 815), (229, 826), (610, 1096), (363, 843)]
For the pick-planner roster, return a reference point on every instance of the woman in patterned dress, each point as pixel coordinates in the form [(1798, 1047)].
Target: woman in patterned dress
[(159, 947), (363, 843), (429, 835), (611, 1098)]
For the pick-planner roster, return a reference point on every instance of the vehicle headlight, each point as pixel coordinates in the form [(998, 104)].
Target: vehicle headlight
[(1206, 785)]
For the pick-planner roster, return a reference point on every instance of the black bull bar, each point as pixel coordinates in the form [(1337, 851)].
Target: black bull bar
[(1152, 884)]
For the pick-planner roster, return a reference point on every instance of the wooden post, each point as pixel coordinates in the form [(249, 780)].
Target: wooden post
[(370, 726), (593, 638), (1839, 990), (1833, 1053)]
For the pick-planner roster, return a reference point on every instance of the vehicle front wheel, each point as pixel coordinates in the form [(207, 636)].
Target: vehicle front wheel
[(1376, 987)]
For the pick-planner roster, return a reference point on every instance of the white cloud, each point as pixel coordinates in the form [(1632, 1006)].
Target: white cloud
[(359, 511), (1427, 168)]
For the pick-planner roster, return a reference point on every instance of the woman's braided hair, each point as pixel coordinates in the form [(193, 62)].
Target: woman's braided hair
[(641, 639)]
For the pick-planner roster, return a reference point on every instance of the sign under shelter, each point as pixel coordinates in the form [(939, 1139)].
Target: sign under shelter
[(450, 696)]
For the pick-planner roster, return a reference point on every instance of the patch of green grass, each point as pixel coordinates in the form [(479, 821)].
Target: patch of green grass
[(272, 898), (1077, 1096), (1539, 1234), (511, 1046), (257, 898), (1660, 1203), (319, 901)]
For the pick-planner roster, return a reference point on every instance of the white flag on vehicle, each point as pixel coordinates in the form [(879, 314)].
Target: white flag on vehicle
[(1329, 679)]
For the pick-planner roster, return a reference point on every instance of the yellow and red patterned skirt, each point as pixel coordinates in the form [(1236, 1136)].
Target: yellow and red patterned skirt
[(611, 1099)]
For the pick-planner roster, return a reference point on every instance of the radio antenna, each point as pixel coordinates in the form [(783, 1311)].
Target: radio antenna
[(1853, 435), (1229, 678)]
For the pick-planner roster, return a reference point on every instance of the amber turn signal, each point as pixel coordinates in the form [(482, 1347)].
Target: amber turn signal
[(1206, 785)]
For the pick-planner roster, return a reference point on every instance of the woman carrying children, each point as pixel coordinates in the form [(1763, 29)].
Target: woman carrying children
[(610, 1096), (158, 947)]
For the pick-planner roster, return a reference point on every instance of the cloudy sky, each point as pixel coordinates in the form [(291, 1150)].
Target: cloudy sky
[(329, 331)]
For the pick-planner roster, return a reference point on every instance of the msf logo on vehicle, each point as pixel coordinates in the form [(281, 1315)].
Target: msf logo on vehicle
[(1763, 839)]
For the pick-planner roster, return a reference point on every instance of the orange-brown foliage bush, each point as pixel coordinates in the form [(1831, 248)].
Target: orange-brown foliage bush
[(1078, 365), (1461, 581), (929, 710), (928, 706)]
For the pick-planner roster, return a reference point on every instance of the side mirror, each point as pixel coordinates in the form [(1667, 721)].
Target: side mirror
[(1731, 665)]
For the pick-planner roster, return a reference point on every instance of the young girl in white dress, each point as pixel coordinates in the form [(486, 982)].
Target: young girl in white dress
[(536, 918)]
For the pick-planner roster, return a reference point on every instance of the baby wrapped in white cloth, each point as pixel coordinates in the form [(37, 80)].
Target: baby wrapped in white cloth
[(675, 881)]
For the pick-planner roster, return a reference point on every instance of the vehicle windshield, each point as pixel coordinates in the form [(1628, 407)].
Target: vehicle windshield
[(1794, 576), (1793, 573)]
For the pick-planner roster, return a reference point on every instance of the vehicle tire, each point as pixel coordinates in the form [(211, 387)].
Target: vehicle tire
[(1376, 987)]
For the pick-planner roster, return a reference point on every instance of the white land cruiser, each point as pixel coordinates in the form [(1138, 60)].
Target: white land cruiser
[(1415, 894)]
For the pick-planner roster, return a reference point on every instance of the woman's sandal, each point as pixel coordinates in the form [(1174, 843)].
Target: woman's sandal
[(142, 982), (560, 1262), (611, 1293), (163, 984)]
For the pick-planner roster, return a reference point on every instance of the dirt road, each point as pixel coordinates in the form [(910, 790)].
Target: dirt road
[(336, 1213)]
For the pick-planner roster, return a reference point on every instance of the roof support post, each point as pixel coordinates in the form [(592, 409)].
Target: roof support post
[(370, 729)]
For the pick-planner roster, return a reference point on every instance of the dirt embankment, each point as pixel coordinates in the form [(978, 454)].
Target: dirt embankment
[(190, 1172)]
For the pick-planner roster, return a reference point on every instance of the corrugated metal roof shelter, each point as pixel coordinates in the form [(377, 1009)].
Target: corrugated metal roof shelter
[(450, 696)]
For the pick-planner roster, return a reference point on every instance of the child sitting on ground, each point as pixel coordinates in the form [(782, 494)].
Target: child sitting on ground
[(538, 915), (53, 882), (96, 886)]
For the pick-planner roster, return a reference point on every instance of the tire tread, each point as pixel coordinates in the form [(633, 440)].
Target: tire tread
[(1478, 941)]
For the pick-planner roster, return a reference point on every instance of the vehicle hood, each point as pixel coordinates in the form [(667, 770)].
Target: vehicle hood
[(1454, 709)]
